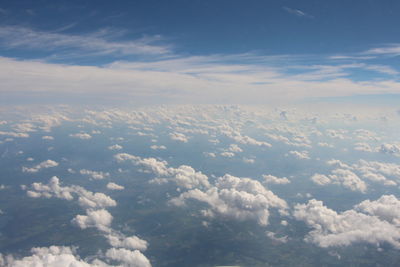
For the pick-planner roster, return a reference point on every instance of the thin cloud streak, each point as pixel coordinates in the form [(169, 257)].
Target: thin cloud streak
[(15, 37)]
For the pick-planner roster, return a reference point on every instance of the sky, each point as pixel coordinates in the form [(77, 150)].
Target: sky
[(157, 52)]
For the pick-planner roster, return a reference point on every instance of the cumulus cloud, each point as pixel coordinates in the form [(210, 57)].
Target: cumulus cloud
[(14, 134), (155, 147), (246, 140), (128, 258), (375, 222), (275, 180), (184, 176), (132, 242), (299, 154), (342, 177), (100, 219), (94, 174), (47, 137), (363, 147), (50, 256), (387, 148), (43, 165), (249, 161), (61, 256), (238, 198), (86, 198), (227, 154), (354, 176), (235, 148), (179, 137), (83, 136), (114, 186), (115, 147)]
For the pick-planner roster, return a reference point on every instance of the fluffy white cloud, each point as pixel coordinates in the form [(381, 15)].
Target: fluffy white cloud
[(155, 147), (275, 180), (86, 198), (115, 147), (235, 148), (184, 176), (249, 161), (300, 154), (363, 147), (95, 200), (114, 186), (179, 137), (238, 198), (227, 154), (379, 223), (47, 137), (94, 174), (100, 219), (59, 256), (350, 175), (131, 242), (53, 256), (128, 258), (83, 136), (246, 140), (43, 165), (321, 179), (387, 208), (342, 177), (393, 149)]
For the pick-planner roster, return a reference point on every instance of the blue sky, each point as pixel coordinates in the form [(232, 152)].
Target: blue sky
[(273, 49)]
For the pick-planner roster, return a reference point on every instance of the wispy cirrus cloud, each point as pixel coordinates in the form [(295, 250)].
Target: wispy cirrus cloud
[(186, 81), (169, 77), (297, 12), (389, 50), (100, 42)]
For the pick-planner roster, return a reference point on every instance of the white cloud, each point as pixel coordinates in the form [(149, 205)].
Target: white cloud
[(114, 186), (155, 147), (184, 176), (363, 147), (179, 137), (393, 50), (238, 198), (321, 179), (393, 149), (47, 137), (131, 242), (94, 174), (297, 12), (128, 258), (115, 147), (275, 180), (330, 228), (100, 219), (227, 154), (86, 198), (343, 177), (43, 165), (100, 43), (299, 154), (387, 208), (250, 161), (14, 134), (235, 148), (202, 80), (54, 256), (83, 136)]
